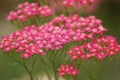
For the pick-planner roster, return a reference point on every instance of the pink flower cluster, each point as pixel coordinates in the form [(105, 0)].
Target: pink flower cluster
[(67, 70), (53, 35), (68, 3), (22, 42), (99, 48), (81, 28), (32, 39), (38, 40), (28, 10), (45, 11)]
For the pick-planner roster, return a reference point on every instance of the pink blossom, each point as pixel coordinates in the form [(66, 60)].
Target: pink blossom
[(45, 11), (29, 10), (58, 32), (76, 2), (99, 48), (67, 70), (68, 2)]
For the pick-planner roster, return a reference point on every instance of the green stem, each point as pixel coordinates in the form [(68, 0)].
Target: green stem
[(78, 74), (106, 67), (54, 66), (34, 64), (47, 72), (91, 77), (55, 73), (95, 70), (30, 74), (45, 63), (37, 20), (28, 71)]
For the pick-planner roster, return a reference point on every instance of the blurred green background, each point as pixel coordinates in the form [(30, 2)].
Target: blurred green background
[(108, 11)]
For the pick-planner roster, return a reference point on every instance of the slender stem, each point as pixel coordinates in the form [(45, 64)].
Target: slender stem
[(78, 74), (95, 69), (30, 74), (47, 72), (34, 64), (28, 71), (55, 73), (91, 77), (106, 67), (45, 63), (54, 66)]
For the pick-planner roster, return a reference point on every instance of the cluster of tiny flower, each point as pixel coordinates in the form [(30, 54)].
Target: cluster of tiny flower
[(32, 39), (28, 10), (53, 35), (67, 70), (22, 41), (45, 11), (81, 28), (68, 3), (99, 48)]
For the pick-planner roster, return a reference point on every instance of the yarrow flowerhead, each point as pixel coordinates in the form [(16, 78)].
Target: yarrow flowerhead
[(33, 39), (76, 2), (98, 48), (45, 11), (22, 42), (29, 10), (67, 70), (71, 6), (52, 35), (68, 2), (81, 28)]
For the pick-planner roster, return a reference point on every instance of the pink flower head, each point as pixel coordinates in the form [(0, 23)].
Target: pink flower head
[(76, 2), (85, 2), (23, 5), (80, 28), (12, 16), (23, 42), (24, 11), (25, 55), (45, 11), (67, 70), (29, 10), (32, 39), (68, 2), (99, 48)]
